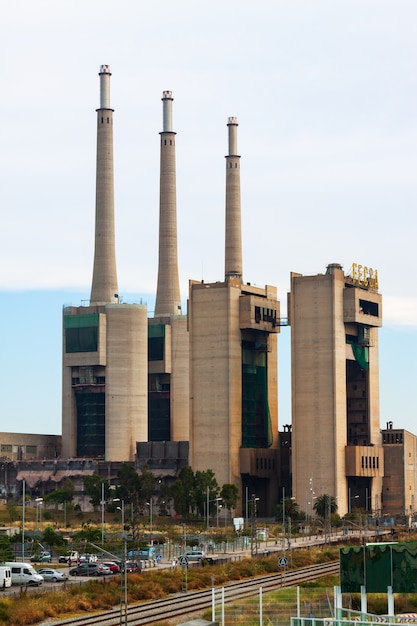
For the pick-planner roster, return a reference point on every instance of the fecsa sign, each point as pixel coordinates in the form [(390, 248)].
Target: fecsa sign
[(364, 276)]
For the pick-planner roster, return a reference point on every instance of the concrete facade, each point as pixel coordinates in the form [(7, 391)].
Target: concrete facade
[(399, 493), (233, 387), (24, 446), (104, 385), (336, 441)]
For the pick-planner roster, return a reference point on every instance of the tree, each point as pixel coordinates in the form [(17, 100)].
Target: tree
[(135, 491), (164, 499), (88, 533), (324, 505), (51, 538), (93, 486), (229, 494), (183, 492), (64, 494), (129, 487), (147, 485), (12, 511), (291, 510), (205, 483), (6, 549)]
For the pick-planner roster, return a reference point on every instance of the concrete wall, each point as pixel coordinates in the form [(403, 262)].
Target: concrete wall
[(126, 380)]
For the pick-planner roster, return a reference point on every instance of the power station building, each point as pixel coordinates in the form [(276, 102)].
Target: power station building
[(233, 330), (202, 388), (105, 366), (207, 380), (336, 438)]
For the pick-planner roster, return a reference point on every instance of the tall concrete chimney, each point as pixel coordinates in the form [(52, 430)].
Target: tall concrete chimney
[(168, 300), (233, 247), (104, 288)]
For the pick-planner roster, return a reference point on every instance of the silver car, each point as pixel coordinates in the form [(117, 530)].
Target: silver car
[(53, 575)]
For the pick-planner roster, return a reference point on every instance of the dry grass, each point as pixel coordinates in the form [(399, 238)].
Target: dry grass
[(97, 595)]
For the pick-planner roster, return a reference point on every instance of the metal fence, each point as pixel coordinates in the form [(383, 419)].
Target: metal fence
[(275, 608), (313, 606)]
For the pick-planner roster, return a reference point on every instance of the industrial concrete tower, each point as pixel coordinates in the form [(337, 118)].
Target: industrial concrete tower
[(104, 285), (168, 395), (336, 438), (233, 247), (233, 330), (104, 405), (168, 301)]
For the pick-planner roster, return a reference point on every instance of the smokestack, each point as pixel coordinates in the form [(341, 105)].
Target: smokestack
[(168, 300), (233, 247), (104, 288)]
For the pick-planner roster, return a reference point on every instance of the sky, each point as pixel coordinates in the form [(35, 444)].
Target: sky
[(325, 92)]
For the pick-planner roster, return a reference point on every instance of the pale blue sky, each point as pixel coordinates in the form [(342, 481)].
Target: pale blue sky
[(326, 97)]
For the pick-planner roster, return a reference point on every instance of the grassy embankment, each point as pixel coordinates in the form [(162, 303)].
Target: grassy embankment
[(97, 595)]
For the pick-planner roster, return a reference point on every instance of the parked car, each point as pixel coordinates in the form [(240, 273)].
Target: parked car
[(195, 555), (113, 567), (52, 575), (90, 569), (42, 557), (88, 558), (132, 566), (72, 557)]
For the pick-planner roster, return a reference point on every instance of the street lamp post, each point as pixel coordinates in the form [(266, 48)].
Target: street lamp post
[(102, 513), (216, 500), (254, 500), (123, 578), (23, 518), (150, 521), (350, 500), (39, 502)]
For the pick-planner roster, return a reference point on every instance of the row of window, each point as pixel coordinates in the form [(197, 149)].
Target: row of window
[(265, 464), (97, 380), (8, 447), (392, 438), (370, 462), (265, 315)]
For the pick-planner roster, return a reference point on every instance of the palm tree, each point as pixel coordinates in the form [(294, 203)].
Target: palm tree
[(291, 509), (325, 504)]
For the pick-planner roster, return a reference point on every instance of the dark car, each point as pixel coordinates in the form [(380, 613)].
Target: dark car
[(89, 569)]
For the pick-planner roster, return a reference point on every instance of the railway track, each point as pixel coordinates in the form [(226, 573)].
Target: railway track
[(199, 601)]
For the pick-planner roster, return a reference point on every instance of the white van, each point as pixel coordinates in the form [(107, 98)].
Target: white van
[(5, 577), (24, 574)]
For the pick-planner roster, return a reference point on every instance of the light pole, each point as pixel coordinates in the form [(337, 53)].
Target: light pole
[(216, 500), (122, 509), (149, 504), (39, 502), (102, 513), (350, 500), (254, 500), (123, 578), (23, 518)]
